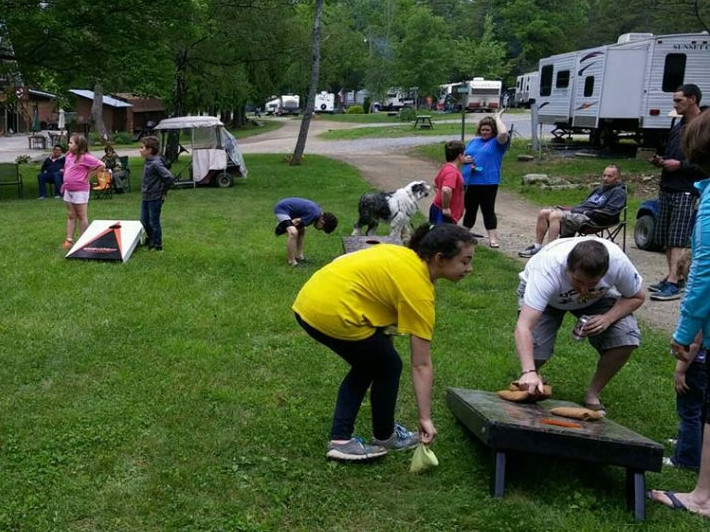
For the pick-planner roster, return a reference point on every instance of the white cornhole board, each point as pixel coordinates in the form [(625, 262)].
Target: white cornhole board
[(107, 240)]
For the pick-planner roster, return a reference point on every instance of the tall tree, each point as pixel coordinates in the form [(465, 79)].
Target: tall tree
[(315, 72)]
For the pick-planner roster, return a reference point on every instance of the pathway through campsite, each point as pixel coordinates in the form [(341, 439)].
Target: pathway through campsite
[(386, 164)]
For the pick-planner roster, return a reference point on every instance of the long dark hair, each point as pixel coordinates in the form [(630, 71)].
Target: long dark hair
[(447, 239)]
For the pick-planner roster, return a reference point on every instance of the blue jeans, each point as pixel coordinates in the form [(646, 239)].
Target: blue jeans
[(150, 218), (373, 362), (55, 178), (690, 407)]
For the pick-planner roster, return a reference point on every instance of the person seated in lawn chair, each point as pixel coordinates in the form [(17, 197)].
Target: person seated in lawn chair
[(113, 165), (603, 207), (52, 171)]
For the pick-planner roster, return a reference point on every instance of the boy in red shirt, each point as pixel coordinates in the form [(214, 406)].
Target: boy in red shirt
[(447, 206)]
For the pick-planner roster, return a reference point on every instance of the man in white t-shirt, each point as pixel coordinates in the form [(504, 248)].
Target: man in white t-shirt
[(585, 276)]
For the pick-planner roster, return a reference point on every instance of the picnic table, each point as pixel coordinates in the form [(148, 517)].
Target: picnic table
[(531, 428), (423, 122)]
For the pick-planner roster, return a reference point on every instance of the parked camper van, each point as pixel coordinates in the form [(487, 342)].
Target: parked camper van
[(272, 106), (622, 89), (395, 99), (325, 102), (483, 95), (290, 104), (526, 89)]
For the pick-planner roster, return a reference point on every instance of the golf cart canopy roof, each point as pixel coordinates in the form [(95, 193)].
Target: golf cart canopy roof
[(189, 122)]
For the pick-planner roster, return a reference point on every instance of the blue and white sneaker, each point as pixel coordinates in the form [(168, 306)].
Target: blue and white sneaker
[(400, 440), (668, 293), (353, 450)]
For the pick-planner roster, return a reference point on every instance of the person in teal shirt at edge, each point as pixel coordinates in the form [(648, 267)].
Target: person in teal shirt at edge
[(695, 309)]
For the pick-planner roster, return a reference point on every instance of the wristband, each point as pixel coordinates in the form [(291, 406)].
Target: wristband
[(528, 371)]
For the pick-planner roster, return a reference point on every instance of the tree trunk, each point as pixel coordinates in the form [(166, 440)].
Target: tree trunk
[(97, 107), (315, 74), (172, 148)]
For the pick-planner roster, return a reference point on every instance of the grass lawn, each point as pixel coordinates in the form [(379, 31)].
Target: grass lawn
[(177, 393)]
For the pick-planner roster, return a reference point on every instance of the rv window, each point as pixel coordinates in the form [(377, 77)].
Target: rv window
[(673, 72), (588, 86), (562, 79), (546, 81)]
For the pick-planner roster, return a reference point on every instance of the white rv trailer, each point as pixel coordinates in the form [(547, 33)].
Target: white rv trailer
[(622, 89), (483, 95), (290, 104), (325, 102), (287, 104), (526, 89)]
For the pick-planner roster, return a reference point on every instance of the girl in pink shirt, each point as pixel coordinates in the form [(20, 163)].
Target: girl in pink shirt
[(76, 189)]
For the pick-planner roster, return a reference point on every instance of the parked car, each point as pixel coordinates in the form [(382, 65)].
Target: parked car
[(645, 225)]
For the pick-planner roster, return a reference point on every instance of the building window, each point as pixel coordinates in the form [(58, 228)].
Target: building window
[(673, 72)]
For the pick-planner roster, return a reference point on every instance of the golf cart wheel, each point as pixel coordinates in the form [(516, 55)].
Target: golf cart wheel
[(224, 180), (643, 233)]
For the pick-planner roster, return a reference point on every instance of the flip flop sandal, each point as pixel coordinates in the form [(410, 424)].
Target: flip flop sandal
[(675, 501), (494, 245)]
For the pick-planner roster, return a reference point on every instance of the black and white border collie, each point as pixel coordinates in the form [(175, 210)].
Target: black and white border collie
[(396, 208)]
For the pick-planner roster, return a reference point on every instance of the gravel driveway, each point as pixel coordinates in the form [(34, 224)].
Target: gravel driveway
[(386, 164)]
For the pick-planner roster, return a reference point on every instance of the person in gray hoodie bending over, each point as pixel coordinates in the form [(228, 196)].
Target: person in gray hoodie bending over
[(155, 183)]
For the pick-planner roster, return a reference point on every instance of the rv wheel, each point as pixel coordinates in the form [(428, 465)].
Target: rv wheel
[(224, 180)]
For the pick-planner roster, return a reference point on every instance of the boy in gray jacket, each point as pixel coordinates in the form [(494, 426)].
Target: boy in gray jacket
[(155, 183)]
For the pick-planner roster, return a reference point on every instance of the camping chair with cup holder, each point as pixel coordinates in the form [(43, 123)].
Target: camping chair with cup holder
[(607, 225), (102, 188), (122, 177)]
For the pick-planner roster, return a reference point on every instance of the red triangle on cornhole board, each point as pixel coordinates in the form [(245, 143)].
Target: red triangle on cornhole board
[(107, 240)]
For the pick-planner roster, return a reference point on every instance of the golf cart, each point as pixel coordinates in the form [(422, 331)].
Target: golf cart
[(215, 158)]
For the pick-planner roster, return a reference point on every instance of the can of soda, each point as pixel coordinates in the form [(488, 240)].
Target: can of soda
[(578, 331)]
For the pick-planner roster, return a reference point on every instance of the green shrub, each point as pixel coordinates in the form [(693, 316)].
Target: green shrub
[(122, 137), (355, 110), (407, 114), (23, 159)]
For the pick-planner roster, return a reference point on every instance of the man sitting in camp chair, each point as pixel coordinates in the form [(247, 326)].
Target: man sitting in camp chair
[(602, 207)]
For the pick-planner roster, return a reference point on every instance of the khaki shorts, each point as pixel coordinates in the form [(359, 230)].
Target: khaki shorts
[(572, 221), (622, 333)]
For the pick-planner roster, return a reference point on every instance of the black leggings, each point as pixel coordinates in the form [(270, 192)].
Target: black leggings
[(373, 362), (485, 197)]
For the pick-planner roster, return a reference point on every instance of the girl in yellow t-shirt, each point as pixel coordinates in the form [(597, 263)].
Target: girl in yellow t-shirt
[(347, 305)]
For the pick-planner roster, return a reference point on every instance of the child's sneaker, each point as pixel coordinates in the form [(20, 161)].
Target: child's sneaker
[(68, 244), (353, 450), (400, 440)]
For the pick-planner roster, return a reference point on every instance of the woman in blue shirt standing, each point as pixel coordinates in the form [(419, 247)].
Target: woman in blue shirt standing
[(482, 176)]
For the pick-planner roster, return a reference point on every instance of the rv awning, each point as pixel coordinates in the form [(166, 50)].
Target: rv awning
[(107, 100)]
